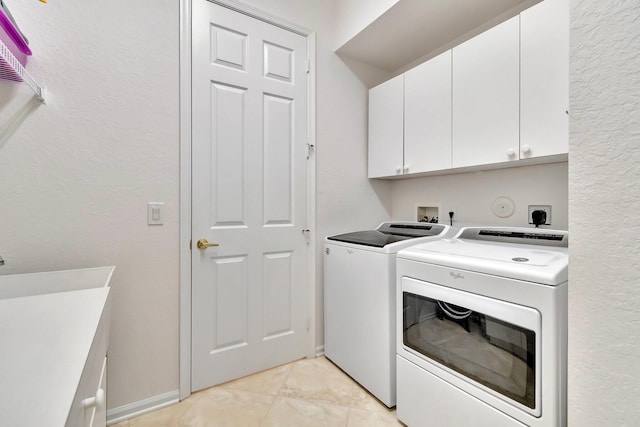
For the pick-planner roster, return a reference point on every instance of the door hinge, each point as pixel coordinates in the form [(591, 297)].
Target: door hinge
[(189, 244), (307, 235), (308, 66), (308, 323), (310, 150)]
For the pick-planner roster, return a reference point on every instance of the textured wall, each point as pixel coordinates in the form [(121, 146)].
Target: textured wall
[(353, 16), (76, 174), (604, 196)]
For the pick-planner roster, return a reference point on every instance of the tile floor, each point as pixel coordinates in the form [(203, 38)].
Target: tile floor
[(305, 393)]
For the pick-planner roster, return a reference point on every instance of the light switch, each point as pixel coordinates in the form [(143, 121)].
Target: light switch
[(155, 213)]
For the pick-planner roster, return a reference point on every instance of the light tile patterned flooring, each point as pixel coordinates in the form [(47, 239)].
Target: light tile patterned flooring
[(305, 393)]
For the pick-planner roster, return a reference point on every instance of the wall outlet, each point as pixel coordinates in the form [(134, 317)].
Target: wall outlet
[(545, 208)]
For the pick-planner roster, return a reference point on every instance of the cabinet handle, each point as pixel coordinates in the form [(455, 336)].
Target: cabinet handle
[(526, 149), (94, 402), (511, 152)]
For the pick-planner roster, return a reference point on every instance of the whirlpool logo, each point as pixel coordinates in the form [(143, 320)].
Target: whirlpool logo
[(456, 275)]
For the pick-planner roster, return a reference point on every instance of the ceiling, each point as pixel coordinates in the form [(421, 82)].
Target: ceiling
[(416, 29)]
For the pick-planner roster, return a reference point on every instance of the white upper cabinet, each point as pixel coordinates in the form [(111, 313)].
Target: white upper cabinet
[(501, 96), (544, 74), (410, 121), (427, 116), (486, 97), (386, 128)]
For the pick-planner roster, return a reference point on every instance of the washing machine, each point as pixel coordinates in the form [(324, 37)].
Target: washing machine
[(359, 300)]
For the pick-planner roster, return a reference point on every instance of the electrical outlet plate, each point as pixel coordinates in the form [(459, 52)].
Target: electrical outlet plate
[(546, 208)]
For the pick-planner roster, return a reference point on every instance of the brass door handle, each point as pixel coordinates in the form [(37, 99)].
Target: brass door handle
[(204, 244)]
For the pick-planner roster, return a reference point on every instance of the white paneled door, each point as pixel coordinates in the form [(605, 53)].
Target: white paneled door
[(249, 195)]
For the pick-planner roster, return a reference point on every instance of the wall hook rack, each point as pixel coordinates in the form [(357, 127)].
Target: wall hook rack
[(12, 69)]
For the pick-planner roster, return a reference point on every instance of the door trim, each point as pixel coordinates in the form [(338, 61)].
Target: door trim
[(185, 178)]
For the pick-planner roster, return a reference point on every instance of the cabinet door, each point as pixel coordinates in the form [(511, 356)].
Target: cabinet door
[(544, 91), (427, 115), (386, 128), (486, 97)]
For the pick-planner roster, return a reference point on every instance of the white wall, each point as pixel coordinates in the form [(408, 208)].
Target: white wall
[(604, 169), (352, 16), (76, 173), (471, 195)]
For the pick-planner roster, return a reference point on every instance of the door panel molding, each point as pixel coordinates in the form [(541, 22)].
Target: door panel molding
[(186, 171)]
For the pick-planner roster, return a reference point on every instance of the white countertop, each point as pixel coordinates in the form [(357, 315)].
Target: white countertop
[(44, 344)]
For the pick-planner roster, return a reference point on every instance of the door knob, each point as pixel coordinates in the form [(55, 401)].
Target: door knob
[(204, 244)]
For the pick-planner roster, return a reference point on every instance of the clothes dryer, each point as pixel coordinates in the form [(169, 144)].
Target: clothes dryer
[(482, 329)]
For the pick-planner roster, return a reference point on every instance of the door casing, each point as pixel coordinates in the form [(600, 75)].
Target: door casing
[(186, 177)]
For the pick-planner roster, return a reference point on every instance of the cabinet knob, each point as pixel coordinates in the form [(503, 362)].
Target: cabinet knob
[(526, 149), (398, 170), (406, 168), (511, 152), (94, 402)]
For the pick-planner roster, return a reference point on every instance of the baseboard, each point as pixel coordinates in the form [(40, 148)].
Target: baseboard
[(320, 350), (123, 413)]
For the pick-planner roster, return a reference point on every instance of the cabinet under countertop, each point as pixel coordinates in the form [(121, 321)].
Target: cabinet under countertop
[(47, 343)]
